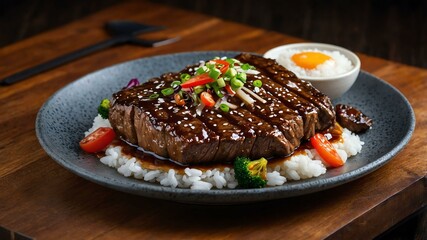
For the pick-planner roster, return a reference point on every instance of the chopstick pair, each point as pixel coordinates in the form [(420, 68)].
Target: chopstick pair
[(122, 32)]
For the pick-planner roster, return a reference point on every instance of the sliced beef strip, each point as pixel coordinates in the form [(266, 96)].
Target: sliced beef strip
[(352, 118)]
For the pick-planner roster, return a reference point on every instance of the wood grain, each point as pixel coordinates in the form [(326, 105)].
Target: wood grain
[(395, 30), (43, 200)]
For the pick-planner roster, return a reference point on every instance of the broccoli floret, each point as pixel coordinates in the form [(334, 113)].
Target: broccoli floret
[(104, 108), (250, 174)]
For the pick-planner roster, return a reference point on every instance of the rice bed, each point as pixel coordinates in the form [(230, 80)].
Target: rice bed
[(300, 166)]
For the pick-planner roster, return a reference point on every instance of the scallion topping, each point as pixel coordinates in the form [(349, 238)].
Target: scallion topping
[(175, 84), (235, 83), (257, 83), (221, 78), (154, 96), (217, 90), (221, 82), (241, 76), (214, 73), (167, 91), (202, 70), (231, 72), (224, 107), (199, 89), (185, 77), (230, 61), (246, 66)]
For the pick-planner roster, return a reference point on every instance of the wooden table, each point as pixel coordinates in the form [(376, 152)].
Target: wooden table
[(43, 200)]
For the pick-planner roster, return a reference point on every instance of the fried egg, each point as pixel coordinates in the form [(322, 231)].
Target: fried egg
[(314, 62), (309, 60)]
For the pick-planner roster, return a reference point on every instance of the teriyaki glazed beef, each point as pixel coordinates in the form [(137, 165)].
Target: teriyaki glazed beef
[(268, 121)]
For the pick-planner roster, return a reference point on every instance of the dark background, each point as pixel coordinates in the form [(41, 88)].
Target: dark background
[(390, 29)]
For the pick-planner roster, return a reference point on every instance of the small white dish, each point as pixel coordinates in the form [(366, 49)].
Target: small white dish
[(333, 86)]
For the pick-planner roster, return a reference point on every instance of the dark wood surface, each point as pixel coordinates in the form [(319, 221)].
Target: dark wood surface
[(41, 199), (394, 30)]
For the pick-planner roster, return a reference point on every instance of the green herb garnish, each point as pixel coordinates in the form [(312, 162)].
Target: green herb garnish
[(257, 83), (167, 91)]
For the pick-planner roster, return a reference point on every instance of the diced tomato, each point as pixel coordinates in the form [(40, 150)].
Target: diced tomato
[(229, 90), (326, 150), (198, 80), (224, 67), (207, 99), (98, 140)]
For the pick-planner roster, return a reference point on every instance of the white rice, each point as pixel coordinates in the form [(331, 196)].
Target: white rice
[(301, 166), (339, 64), (97, 123)]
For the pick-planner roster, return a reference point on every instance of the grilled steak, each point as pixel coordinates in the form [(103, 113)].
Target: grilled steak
[(293, 111)]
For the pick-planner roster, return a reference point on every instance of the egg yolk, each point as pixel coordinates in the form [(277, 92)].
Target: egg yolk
[(309, 60)]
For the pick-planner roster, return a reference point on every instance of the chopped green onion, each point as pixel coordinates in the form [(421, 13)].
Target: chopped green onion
[(217, 90), (195, 98), (175, 84), (231, 72), (224, 107), (257, 83), (185, 77), (214, 73), (246, 66), (231, 61), (241, 76), (210, 65), (167, 91), (198, 89), (235, 83), (180, 93), (221, 82), (208, 86), (202, 70), (154, 96)]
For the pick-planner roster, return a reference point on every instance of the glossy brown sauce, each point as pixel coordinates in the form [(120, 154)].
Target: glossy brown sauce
[(150, 161)]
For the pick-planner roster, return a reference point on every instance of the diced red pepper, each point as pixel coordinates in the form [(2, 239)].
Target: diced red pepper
[(229, 90), (198, 80), (224, 67)]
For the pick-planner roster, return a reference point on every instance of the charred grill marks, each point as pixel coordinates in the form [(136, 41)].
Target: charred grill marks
[(300, 88)]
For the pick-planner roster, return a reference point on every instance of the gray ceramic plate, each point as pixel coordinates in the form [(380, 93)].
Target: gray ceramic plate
[(64, 118)]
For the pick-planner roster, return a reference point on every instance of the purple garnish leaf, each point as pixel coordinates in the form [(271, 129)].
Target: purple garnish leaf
[(132, 83)]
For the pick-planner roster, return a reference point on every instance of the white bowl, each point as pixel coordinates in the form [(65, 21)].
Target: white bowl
[(333, 86)]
